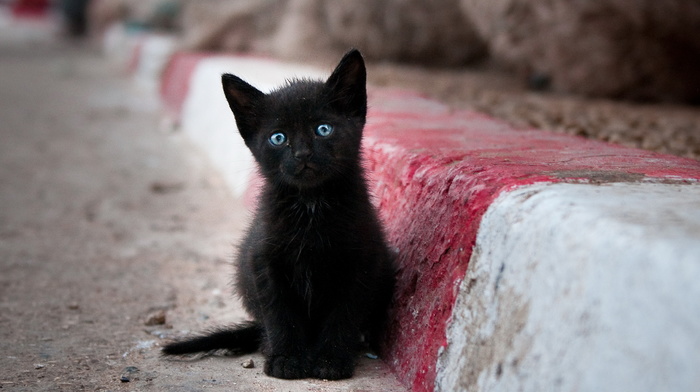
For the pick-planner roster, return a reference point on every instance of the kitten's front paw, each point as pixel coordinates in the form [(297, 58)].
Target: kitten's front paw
[(281, 366), (333, 368)]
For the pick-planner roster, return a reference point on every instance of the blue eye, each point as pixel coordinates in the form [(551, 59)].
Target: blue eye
[(324, 130), (278, 139)]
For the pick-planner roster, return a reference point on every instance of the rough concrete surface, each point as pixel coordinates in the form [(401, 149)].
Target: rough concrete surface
[(113, 235), (569, 300)]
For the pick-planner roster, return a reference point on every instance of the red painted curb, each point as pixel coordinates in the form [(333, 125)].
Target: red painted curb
[(175, 80), (435, 172), (30, 8)]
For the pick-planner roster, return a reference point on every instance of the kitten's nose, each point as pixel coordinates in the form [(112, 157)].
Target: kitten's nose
[(302, 153)]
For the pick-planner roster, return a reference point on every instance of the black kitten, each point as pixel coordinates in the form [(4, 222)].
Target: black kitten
[(313, 270)]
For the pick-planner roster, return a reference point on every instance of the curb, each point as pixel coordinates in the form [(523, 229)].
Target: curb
[(450, 175), (528, 260)]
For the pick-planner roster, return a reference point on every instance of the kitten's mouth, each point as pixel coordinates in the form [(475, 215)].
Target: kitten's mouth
[(306, 168), (305, 174)]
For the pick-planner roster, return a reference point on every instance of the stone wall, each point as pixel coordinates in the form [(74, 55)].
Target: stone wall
[(643, 50), (633, 49), (417, 31)]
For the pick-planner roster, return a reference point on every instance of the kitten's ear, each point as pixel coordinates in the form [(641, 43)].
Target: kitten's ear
[(348, 84), (245, 101)]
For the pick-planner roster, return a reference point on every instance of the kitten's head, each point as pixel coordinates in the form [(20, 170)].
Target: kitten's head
[(305, 132)]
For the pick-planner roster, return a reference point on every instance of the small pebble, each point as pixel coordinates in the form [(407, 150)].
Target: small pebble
[(39, 366), (161, 187), (156, 318), (128, 374), (539, 81), (249, 364)]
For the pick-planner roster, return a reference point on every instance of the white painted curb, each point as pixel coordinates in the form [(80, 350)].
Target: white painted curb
[(576, 287)]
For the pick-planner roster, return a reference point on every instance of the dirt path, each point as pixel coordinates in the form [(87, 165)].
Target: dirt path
[(107, 226)]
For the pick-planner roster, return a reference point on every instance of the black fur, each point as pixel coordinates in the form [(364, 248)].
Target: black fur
[(314, 271)]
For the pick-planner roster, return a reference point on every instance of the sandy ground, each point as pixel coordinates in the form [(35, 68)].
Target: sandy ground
[(114, 235)]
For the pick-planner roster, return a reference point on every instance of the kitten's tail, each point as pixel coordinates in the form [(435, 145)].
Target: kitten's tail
[(239, 339)]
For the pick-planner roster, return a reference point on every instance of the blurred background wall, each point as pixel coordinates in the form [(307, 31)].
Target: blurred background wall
[(645, 50)]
